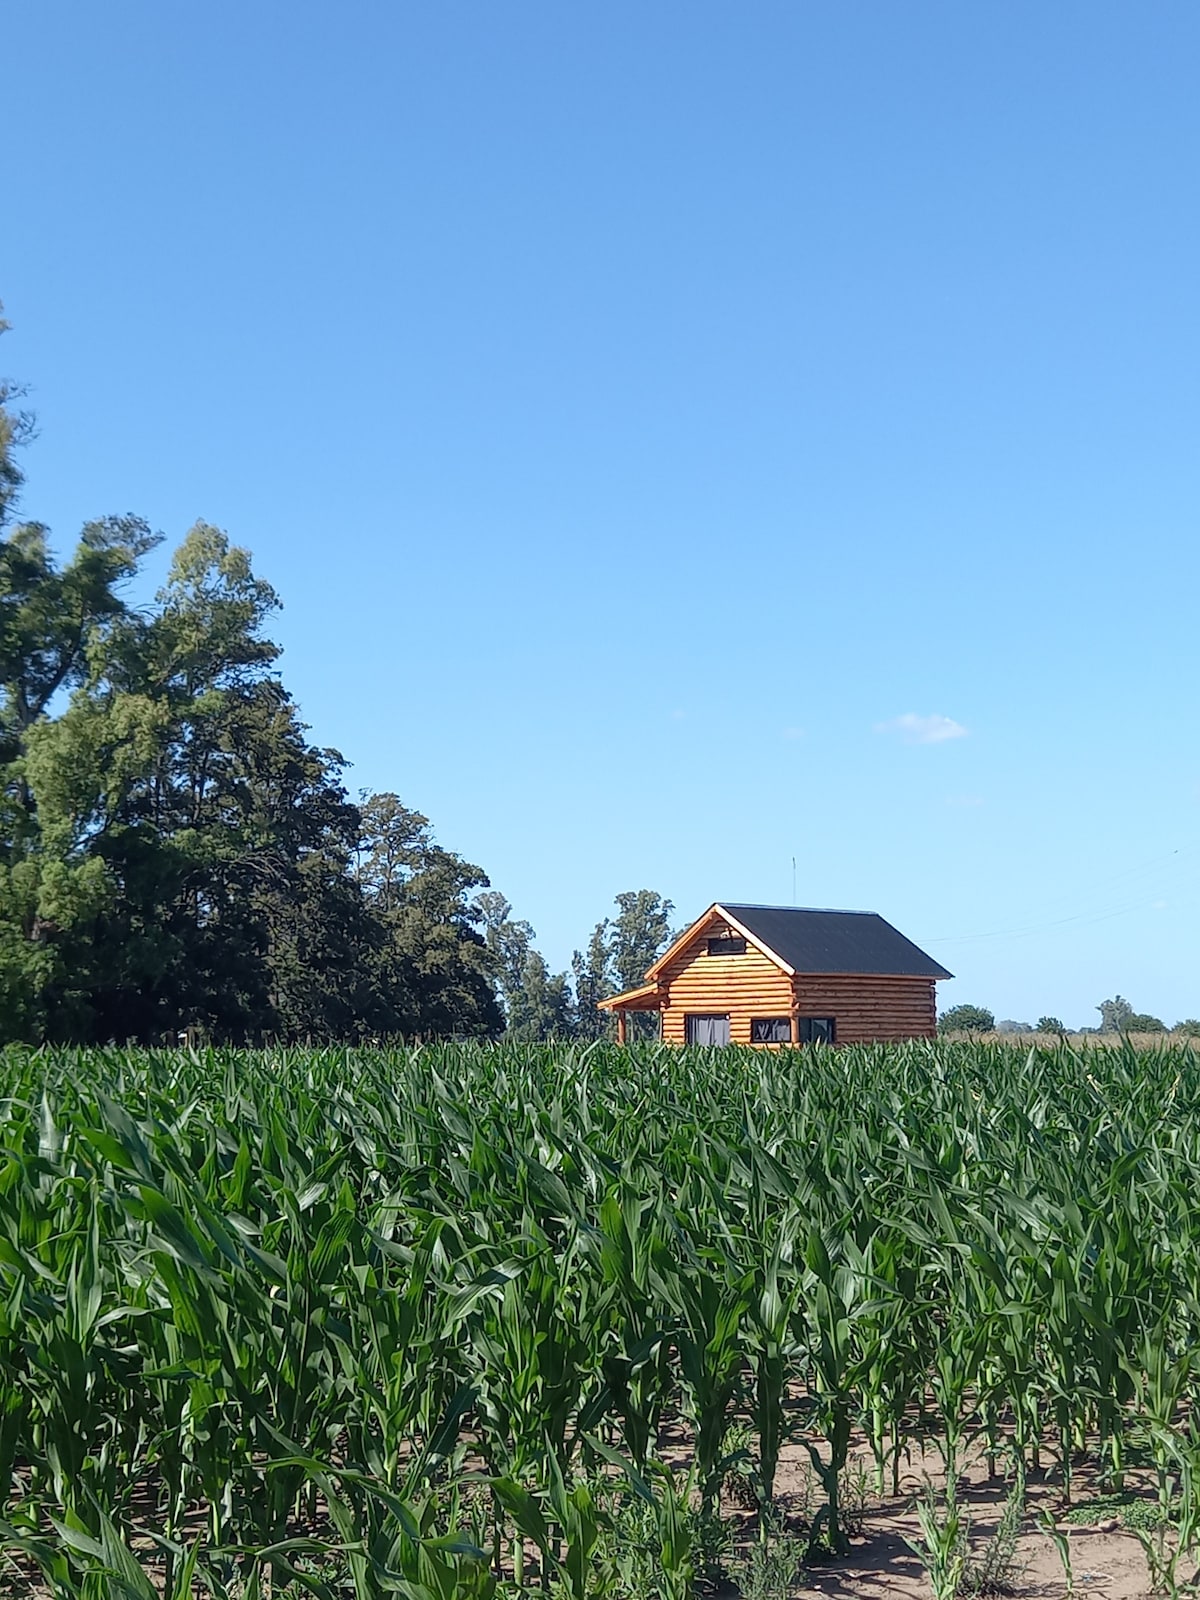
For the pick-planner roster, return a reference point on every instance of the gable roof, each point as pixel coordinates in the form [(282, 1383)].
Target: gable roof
[(835, 941), (802, 940)]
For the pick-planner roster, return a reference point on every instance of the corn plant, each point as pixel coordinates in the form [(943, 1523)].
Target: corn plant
[(427, 1321)]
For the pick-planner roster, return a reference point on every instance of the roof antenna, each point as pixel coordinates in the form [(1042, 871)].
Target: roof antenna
[(793, 880)]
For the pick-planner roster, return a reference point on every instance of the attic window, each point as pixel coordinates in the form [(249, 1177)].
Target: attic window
[(727, 947)]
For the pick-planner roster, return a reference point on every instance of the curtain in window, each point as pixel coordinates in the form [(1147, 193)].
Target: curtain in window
[(708, 1030)]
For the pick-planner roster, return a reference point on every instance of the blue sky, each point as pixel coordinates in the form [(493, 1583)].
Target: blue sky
[(685, 437)]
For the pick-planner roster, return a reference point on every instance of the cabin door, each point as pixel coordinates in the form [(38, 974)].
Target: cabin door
[(708, 1030)]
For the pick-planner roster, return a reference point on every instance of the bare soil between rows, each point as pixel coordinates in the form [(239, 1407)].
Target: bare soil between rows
[(1106, 1559)]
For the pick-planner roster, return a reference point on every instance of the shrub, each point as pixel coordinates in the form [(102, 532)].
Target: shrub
[(1143, 1022), (967, 1019)]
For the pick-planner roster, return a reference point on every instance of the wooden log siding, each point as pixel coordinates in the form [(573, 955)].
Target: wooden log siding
[(866, 1006), (739, 987), (870, 1006)]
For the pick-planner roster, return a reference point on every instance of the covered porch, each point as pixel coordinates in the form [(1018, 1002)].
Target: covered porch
[(647, 998)]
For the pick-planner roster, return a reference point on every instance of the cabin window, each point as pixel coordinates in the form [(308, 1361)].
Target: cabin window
[(818, 1030), (727, 947), (771, 1030), (708, 1030)]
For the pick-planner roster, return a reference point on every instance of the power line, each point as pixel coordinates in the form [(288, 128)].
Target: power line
[(1088, 914)]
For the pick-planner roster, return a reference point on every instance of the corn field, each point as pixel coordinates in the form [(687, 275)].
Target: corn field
[(459, 1321)]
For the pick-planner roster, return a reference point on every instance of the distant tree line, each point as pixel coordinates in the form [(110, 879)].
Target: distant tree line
[(1116, 1016), (539, 1004), (176, 854)]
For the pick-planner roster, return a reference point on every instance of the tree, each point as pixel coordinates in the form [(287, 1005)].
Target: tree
[(641, 931), (592, 972), (509, 943), (966, 1019), (541, 1007), (393, 844), (55, 624), (174, 850), (1143, 1022), (1189, 1028), (537, 1003), (435, 967), (1050, 1025), (16, 429), (178, 783), (619, 952), (1114, 1015)]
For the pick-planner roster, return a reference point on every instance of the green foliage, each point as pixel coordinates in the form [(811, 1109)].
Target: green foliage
[(1189, 1028), (942, 1546), (592, 971), (433, 965), (998, 1569), (618, 955), (1061, 1542), (537, 1003), (175, 855), (774, 1565), (640, 932), (1131, 1510), (1118, 1016), (966, 1019), (428, 1321), (16, 428), (1143, 1022), (1050, 1025), (1115, 1015)]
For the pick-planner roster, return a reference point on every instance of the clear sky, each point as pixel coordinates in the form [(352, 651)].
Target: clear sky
[(685, 436)]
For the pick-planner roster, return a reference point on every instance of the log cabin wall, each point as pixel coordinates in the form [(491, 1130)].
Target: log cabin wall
[(740, 987), (870, 1007)]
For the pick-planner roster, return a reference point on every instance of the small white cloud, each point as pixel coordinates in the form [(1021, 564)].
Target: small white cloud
[(793, 733), (678, 716), (916, 729), (964, 799)]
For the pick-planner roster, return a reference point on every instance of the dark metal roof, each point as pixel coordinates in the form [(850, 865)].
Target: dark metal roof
[(835, 941)]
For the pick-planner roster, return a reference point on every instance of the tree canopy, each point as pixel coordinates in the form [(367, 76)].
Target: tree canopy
[(1144, 1022), (966, 1019)]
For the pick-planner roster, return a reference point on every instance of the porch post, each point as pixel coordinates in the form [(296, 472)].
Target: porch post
[(620, 1027)]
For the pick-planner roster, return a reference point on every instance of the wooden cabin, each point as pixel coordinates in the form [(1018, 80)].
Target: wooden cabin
[(777, 975)]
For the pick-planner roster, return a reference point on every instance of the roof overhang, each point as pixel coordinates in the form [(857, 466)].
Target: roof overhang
[(647, 998)]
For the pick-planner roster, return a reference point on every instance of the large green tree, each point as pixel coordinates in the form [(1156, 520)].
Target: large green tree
[(618, 953), (178, 799), (175, 853), (56, 624), (641, 931), (592, 972), (538, 1003), (435, 969)]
